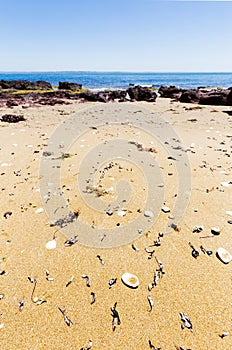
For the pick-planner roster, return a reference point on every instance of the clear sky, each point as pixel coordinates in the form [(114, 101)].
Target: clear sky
[(116, 35)]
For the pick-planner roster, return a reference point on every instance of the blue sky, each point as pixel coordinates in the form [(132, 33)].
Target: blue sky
[(116, 35)]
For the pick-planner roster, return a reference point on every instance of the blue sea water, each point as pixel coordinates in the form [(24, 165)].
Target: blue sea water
[(121, 80)]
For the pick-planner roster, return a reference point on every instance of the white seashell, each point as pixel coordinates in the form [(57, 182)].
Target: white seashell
[(51, 244), (39, 210), (130, 280), (228, 212), (1, 325), (148, 214), (165, 209), (121, 213), (224, 255), (225, 183), (35, 299)]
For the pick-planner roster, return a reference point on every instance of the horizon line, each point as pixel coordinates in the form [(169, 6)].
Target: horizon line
[(111, 71)]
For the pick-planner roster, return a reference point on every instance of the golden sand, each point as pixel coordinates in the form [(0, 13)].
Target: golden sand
[(200, 288)]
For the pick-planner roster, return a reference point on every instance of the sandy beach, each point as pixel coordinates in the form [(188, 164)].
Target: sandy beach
[(198, 287)]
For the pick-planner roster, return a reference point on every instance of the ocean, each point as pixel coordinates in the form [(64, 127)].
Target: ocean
[(121, 80)]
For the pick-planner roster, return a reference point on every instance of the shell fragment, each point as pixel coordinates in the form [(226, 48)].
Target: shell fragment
[(224, 255), (130, 280)]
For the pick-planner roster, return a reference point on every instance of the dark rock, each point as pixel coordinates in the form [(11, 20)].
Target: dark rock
[(25, 85), (229, 98), (64, 85), (190, 96), (11, 118), (214, 97), (170, 91), (140, 93), (88, 96)]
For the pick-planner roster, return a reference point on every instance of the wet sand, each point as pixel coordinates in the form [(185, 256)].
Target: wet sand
[(200, 288)]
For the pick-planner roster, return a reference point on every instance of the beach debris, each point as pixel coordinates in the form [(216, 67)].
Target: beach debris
[(69, 242), (21, 304), (2, 296), (195, 252), (87, 280), (161, 268), (12, 118), (101, 260), (39, 210), (141, 148), (89, 345), (32, 280), (109, 212), (47, 276), (215, 230), (130, 280), (198, 229), (112, 282), (121, 213), (7, 214), (229, 212), (226, 183), (51, 244), (148, 214), (150, 252), (152, 346), (208, 252), (224, 334), (157, 242), (116, 319), (66, 318), (186, 321), (69, 282), (165, 209), (2, 272), (155, 280), (151, 303), (224, 255), (140, 231), (135, 248), (69, 218), (175, 227), (93, 296)]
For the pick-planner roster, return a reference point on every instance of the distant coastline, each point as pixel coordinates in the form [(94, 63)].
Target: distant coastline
[(95, 80)]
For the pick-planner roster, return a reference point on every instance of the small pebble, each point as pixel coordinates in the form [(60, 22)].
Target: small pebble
[(165, 209), (148, 214), (215, 230), (51, 244)]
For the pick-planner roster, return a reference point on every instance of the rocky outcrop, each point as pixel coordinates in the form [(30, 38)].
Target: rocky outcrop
[(170, 91), (25, 85), (141, 93), (64, 85), (202, 96)]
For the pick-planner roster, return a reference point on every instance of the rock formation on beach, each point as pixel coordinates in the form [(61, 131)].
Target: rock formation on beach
[(26, 93)]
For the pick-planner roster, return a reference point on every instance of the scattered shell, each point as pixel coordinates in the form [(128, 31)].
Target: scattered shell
[(148, 214), (224, 255), (165, 209), (215, 230), (1, 296), (226, 183), (228, 212), (198, 229), (51, 244), (121, 213), (130, 280), (39, 210), (1, 325)]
